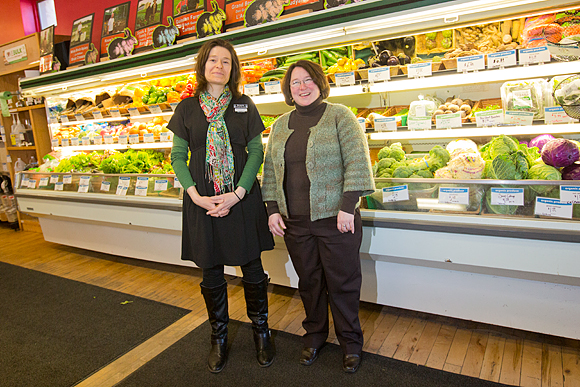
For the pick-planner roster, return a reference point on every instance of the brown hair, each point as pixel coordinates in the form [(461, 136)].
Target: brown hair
[(315, 72), (202, 56)]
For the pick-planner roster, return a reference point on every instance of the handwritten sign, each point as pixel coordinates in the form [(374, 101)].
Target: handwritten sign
[(502, 59), (570, 193), (272, 87), (379, 74), (457, 195), (470, 63), (556, 115), (534, 55), (385, 124), (553, 207), (518, 118), (417, 70), (342, 79), (489, 117), (507, 196), (396, 193)]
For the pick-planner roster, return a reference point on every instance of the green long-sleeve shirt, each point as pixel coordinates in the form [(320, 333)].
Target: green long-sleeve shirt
[(179, 153)]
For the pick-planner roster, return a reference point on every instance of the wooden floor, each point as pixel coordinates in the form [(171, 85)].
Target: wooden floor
[(482, 351)]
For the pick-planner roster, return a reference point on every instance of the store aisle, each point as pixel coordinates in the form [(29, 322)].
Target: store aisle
[(483, 351)]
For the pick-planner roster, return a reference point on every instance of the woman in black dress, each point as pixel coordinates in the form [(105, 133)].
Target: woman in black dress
[(224, 218)]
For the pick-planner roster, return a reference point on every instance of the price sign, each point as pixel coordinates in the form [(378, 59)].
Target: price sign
[(489, 117), (134, 112), (556, 115), (273, 87), (24, 182), (86, 140), (155, 109), (342, 79), (470, 63), (396, 194), (59, 186), (140, 191), (53, 120), (507, 196), (502, 59), (133, 139), (142, 182), (115, 113), (446, 121), (64, 119), (121, 191), (173, 105), (65, 142), (84, 180), (518, 118), (570, 193), (106, 186), (457, 195), (176, 183), (98, 140), (43, 182), (97, 115), (534, 55), (379, 74), (83, 188), (79, 117), (123, 139), (385, 124), (164, 137), (31, 183), (124, 181), (161, 185), (54, 142), (53, 179), (416, 70), (67, 179), (252, 89), (108, 139), (564, 49), (419, 123), (149, 137), (362, 123), (553, 207), (5, 167), (74, 141)]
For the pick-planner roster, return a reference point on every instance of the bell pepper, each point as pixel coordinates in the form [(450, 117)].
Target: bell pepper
[(180, 86)]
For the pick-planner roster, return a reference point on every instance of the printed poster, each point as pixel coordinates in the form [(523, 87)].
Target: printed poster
[(115, 20), (185, 15), (81, 36), (149, 14)]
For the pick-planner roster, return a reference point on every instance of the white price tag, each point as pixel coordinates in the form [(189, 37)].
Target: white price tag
[(155, 109), (86, 140), (133, 139), (98, 140), (252, 89), (507, 196), (67, 179), (8, 159), (470, 63), (164, 136), (79, 117), (83, 188), (74, 141), (518, 118), (53, 120), (557, 115), (108, 139), (396, 194), (65, 142), (84, 184), (134, 112), (534, 55), (272, 87), (419, 123), (502, 59), (64, 119), (54, 142), (570, 193), (105, 186), (142, 182), (342, 79), (454, 195), (121, 191), (553, 207), (385, 124), (58, 186), (31, 183), (123, 139), (43, 182), (148, 137), (415, 70), (140, 191), (447, 121), (362, 123), (124, 181), (161, 185), (489, 117), (173, 105), (115, 113), (379, 74), (24, 182), (176, 183), (97, 115), (5, 167), (53, 179)]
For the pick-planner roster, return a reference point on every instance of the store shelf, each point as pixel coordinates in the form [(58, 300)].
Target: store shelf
[(21, 148), (113, 119), (26, 108), (152, 145)]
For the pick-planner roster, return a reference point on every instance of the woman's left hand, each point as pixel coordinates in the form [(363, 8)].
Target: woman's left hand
[(345, 222), (226, 201)]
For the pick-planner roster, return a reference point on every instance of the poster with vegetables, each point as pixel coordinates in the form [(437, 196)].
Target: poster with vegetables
[(81, 36), (115, 20), (149, 16), (185, 15), (211, 22)]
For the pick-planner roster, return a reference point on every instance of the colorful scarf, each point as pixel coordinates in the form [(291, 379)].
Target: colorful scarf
[(219, 158)]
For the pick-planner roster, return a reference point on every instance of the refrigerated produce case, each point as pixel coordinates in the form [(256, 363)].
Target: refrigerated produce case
[(447, 249)]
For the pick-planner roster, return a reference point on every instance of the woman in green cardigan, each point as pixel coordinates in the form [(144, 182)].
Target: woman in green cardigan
[(317, 166), (224, 218)]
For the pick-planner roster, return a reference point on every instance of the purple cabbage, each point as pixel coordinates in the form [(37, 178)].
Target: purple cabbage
[(540, 141), (560, 153), (571, 172)]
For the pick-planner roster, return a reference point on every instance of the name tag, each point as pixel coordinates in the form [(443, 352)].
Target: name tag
[(241, 108)]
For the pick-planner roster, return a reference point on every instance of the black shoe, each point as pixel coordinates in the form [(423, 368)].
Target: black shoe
[(216, 301), (216, 361), (256, 295), (308, 356), (351, 362)]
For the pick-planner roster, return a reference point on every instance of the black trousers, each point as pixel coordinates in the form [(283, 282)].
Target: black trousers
[(328, 266)]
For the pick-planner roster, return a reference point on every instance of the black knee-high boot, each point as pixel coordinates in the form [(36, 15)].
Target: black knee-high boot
[(216, 301), (257, 305)]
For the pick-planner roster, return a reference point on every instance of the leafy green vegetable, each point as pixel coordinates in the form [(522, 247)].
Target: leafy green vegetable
[(541, 171)]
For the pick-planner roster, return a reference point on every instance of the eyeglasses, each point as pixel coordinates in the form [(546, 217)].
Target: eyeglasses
[(307, 82)]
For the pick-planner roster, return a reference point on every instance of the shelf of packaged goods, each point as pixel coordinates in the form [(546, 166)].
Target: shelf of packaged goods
[(477, 132), (26, 108), (151, 145), (20, 148)]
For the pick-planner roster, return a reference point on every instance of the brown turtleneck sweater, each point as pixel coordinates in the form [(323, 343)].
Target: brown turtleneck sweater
[(296, 177)]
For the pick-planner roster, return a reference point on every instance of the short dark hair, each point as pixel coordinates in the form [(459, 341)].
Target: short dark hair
[(315, 72), (202, 56)]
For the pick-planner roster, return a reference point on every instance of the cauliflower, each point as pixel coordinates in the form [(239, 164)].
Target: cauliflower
[(457, 147)]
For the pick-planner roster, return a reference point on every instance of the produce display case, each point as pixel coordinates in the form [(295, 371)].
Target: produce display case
[(467, 260)]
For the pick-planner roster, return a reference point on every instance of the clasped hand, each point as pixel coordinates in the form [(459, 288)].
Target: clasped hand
[(217, 206)]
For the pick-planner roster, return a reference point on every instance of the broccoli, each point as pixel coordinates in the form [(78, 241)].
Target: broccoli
[(384, 153), (386, 173), (402, 172), (423, 173), (383, 164), (397, 154), (438, 158)]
